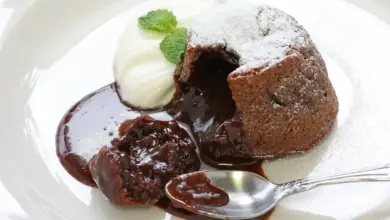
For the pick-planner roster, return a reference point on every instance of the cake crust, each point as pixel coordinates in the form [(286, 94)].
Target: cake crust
[(286, 109)]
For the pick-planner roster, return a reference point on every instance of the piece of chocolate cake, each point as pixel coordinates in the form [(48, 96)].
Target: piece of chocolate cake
[(147, 155)]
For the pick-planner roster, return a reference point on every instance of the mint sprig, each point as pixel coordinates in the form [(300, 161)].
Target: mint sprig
[(161, 21), (174, 45)]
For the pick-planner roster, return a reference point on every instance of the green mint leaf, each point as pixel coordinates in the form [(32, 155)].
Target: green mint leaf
[(174, 45), (162, 21)]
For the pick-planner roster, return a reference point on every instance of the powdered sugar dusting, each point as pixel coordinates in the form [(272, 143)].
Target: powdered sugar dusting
[(261, 36)]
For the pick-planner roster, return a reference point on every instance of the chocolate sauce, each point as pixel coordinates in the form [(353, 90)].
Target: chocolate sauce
[(88, 126), (93, 123), (206, 106), (196, 189)]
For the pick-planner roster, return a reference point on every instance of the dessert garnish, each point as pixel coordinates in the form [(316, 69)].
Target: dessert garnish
[(164, 21), (161, 21), (174, 45), (146, 58)]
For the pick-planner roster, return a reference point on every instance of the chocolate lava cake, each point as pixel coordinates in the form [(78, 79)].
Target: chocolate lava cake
[(147, 155), (253, 84)]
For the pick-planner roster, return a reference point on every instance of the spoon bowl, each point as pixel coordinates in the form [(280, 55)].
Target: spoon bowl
[(251, 196)]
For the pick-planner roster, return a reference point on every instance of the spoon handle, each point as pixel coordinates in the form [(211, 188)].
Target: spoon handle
[(373, 174)]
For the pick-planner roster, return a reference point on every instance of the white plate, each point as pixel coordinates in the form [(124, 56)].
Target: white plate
[(52, 53)]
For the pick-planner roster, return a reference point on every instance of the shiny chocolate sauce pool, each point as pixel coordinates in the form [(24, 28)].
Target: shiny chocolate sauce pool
[(88, 126), (210, 114)]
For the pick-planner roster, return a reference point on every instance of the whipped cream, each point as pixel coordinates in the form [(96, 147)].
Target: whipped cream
[(144, 76)]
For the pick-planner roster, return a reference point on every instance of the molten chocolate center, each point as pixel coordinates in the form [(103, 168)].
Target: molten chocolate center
[(208, 108)]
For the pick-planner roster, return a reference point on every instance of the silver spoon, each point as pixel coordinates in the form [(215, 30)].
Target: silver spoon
[(252, 196)]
